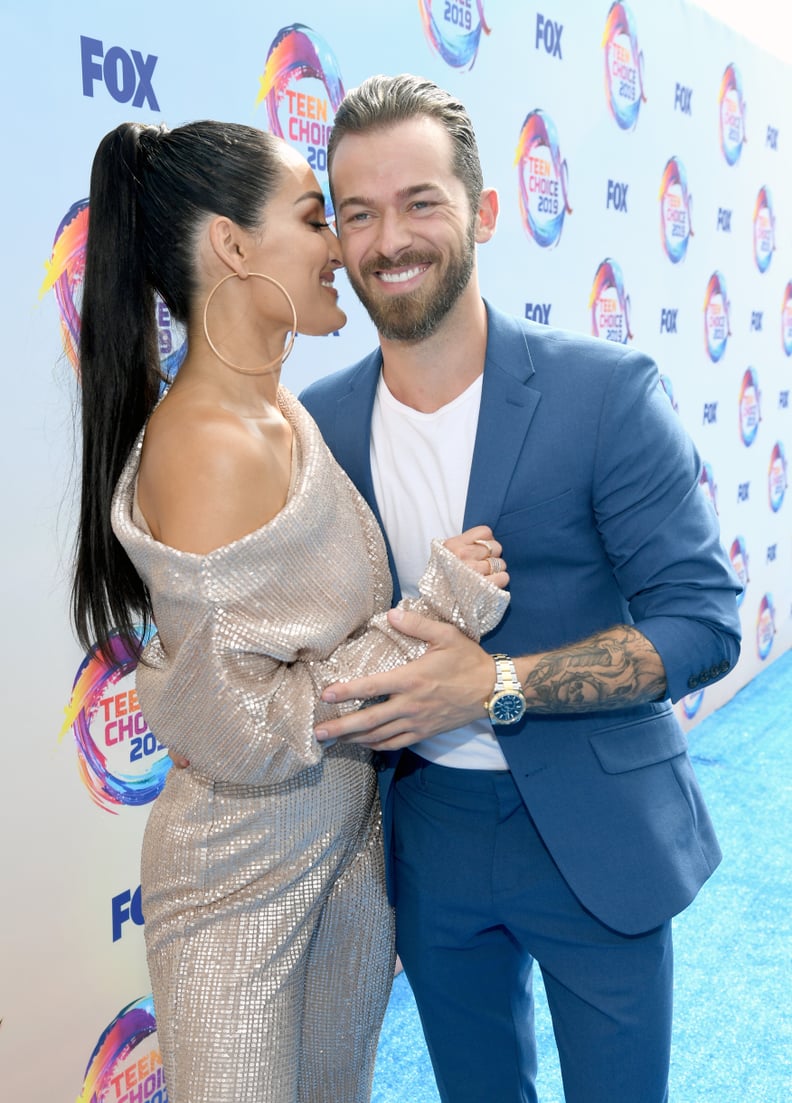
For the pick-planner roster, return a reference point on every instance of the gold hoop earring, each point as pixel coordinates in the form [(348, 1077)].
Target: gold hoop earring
[(287, 347)]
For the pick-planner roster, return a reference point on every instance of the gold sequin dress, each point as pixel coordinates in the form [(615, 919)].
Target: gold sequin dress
[(268, 934)]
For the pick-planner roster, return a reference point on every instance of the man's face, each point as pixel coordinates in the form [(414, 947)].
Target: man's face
[(405, 224)]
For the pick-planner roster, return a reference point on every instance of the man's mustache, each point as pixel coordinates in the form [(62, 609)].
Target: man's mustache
[(382, 263)]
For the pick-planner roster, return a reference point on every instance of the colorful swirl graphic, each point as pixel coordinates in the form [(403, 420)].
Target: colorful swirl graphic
[(65, 270), (544, 200), (455, 35), (675, 210), (716, 317), (624, 67), (297, 52), (765, 626), (692, 703), (738, 555), (749, 408), (609, 304), (108, 790), (763, 229), (777, 477), (786, 320), (731, 115), (125, 1033)]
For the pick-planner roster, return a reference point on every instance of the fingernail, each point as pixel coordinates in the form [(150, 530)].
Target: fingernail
[(321, 734), (397, 614), (329, 696)]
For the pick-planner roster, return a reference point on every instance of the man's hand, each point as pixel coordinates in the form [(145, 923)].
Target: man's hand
[(442, 690)]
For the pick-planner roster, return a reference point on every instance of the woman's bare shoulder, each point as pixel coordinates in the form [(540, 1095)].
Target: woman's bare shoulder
[(204, 476)]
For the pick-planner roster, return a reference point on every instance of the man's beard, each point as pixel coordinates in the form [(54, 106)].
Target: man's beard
[(416, 315)]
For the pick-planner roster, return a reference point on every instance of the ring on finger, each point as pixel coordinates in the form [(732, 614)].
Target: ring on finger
[(496, 565), (485, 544)]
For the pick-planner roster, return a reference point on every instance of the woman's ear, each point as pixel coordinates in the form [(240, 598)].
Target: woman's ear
[(228, 243)]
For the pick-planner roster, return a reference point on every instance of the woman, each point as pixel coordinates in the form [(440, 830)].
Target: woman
[(269, 938)]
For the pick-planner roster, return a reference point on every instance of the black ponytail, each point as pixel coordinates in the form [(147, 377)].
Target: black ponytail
[(119, 381), (150, 190)]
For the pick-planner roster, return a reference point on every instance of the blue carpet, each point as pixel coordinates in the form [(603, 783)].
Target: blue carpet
[(733, 1021)]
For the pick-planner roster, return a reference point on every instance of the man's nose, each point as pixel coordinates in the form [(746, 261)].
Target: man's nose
[(395, 234)]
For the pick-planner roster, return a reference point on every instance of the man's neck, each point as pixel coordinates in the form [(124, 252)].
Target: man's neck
[(431, 373)]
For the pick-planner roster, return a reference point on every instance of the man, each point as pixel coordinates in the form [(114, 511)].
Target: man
[(546, 807)]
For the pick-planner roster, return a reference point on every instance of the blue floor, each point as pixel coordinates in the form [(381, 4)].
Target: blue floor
[(733, 946)]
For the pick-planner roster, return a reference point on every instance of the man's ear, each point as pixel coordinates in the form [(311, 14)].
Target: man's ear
[(228, 243), (487, 215)]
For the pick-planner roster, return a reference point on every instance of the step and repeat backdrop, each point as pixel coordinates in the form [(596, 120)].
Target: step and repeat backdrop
[(640, 152)]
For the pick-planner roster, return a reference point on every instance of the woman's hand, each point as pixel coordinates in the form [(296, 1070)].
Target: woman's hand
[(479, 550)]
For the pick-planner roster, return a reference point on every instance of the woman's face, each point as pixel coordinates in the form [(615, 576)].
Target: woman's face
[(298, 249)]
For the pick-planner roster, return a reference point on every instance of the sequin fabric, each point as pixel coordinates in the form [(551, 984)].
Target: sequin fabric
[(268, 934)]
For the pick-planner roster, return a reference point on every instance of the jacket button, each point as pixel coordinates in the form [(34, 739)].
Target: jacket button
[(724, 666), (693, 681)]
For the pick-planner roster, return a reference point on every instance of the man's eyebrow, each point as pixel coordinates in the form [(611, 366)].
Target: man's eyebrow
[(403, 193)]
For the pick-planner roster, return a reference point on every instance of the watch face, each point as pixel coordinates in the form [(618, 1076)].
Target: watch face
[(507, 708)]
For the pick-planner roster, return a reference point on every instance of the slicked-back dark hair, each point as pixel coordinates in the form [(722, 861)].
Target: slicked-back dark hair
[(151, 191), (380, 102)]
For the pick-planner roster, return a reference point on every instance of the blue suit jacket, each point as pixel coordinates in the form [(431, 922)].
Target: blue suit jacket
[(587, 478)]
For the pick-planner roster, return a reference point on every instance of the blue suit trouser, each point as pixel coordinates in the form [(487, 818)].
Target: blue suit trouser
[(478, 898)]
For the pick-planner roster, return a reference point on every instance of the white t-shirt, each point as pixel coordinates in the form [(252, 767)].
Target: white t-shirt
[(420, 464)]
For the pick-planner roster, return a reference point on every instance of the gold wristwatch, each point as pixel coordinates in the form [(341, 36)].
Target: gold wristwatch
[(506, 704)]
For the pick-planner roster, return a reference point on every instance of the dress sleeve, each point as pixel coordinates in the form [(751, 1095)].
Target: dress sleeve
[(245, 717)]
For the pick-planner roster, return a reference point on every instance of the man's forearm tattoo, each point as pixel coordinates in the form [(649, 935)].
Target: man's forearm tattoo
[(612, 669)]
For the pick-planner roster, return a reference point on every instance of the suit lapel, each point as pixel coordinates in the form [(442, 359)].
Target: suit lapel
[(352, 440), (508, 404), (351, 436)]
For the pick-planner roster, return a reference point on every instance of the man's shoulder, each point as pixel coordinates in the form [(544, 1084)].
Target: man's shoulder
[(539, 335), (331, 387), (560, 353)]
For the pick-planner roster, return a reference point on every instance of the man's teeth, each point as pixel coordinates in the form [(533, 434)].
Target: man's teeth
[(400, 277)]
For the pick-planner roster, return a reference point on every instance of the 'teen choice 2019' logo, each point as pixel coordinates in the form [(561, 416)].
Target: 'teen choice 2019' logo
[(786, 319), (126, 1064), (119, 759), (675, 210), (716, 317), (750, 410), (624, 83), (453, 29), (609, 304), (777, 477), (65, 270), (764, 230), (707, 483), (732, 115), (765, 626), (543, 179), (301, 86), (738, 555)]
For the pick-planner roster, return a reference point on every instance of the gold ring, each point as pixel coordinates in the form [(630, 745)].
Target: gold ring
[(485, 544), (496, 565)]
